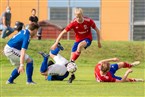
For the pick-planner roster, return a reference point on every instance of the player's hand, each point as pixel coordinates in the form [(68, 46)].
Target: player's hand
[(115, 59), (21, 69), (99, 45), (54, 46), (129, 71)]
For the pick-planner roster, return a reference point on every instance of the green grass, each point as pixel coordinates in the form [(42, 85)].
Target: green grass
[(85, 84)]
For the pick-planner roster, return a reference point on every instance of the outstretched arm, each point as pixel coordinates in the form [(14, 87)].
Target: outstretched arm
[(124, 78), (109, 60), (58, 39)]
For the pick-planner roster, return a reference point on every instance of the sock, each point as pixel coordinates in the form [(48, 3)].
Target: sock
[(29, 71), (14, 75), (75, 55), (55, 51), (132, 80), (44, 65), (127, 65)]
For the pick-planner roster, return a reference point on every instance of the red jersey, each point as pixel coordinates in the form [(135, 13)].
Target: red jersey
[(103, 78), (82, 30)]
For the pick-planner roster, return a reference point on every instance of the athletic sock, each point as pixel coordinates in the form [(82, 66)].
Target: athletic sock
[(29, 71), (44, 65), (127, 65), (75, 55), (14, 75)]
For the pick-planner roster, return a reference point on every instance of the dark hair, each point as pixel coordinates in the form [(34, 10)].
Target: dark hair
[(33, 26), (19, 25), (33, 10)]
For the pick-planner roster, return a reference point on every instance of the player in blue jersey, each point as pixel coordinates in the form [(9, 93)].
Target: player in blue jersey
[(15, 50)]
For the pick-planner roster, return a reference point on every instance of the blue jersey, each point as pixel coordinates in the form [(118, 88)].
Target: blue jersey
[(20, 40)]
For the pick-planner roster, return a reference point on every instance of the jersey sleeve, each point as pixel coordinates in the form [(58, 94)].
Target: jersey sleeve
[(92, 24), (30, 18), (26, 41), (69, 27)]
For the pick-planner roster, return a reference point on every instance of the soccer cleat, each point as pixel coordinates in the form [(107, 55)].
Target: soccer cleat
[(7, 82), (44, 54), (139, 80), (71, 78), (135, 63), (60, 46), (30, 83)]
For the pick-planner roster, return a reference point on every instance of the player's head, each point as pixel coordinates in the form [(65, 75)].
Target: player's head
[(78, 14), (33, 11), (18, 26), (8, 9), (105, 67), (33, 27)]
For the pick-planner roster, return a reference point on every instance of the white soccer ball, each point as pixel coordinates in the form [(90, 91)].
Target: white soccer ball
[(71, 67)]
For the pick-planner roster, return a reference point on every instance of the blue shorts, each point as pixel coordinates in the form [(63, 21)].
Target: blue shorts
[(75, 46), (113, 69)]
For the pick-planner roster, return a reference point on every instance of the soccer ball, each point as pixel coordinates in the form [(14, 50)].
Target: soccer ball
[(71, 67)]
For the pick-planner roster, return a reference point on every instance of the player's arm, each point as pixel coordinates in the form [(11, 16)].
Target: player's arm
[(58, 39), (4, 20), (22, 58), (124, 78), (109, 60), (98, 36)]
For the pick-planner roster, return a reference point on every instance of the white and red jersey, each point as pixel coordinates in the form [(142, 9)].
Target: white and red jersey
[(82, 30), (103, 78)]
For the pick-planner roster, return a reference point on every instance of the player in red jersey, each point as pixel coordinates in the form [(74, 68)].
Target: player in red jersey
[(83, 36), (105, 72)]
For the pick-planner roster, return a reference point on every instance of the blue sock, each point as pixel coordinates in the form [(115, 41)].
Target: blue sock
[(14, 75), (29, 71), (55, 51), (44, 65)]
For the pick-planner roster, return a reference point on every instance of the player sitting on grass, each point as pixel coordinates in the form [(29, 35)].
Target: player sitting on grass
[(58, 70), (105, 72)]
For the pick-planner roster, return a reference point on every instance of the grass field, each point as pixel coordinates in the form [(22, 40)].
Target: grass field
[(85, 84)]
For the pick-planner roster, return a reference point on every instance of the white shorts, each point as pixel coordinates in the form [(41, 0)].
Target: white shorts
[(13, 55), (60, 60)]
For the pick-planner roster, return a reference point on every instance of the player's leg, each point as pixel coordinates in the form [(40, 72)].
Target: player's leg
[(13, 76), (56, 51), (9, 31), (127, 65), (44, 65), (3, 35), (14, 58), (71, 78), (77, 48), (29, 70)]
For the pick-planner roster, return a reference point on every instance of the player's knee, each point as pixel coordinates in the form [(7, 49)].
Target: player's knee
[(29, 60)]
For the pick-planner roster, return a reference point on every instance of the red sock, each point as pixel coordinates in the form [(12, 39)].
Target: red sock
[(132, 80), (127, 65), (75, 55)]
